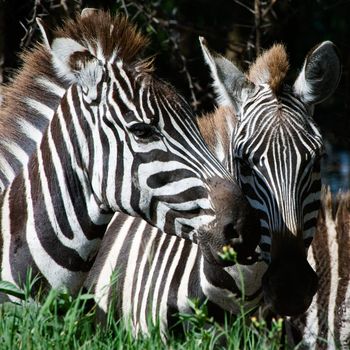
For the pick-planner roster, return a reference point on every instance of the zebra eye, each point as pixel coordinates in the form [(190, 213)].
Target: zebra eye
[(143, 130)]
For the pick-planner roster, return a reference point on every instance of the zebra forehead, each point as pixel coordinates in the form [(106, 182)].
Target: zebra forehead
[(107, 37), (270, 68)]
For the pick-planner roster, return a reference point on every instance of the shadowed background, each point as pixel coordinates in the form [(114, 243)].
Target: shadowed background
[(239, 29)]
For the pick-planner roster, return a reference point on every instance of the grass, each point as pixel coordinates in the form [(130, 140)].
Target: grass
[(61, 321)]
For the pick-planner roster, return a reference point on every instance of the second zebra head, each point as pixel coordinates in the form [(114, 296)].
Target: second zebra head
[(274, 149)]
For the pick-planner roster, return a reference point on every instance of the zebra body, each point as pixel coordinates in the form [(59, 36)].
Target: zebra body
[(115, 140), (326, 324), (147, 275)]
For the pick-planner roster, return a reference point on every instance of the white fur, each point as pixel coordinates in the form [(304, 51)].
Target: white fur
[(51, 86), (43, 32), (62, 49), (302, 88), (6, 273), (103, 284), (40, 107), (247, 277), (182, 294)]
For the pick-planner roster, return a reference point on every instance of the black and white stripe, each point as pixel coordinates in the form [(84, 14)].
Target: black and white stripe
[(277, 162), (147, 275), (275, 155), (326, 324)]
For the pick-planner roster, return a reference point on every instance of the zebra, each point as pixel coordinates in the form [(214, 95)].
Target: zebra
[(272, 146), (326, 324), (90, 132), (157, 275)]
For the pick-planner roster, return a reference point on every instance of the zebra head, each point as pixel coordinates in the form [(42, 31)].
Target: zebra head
[(136, 147), (275, 154)]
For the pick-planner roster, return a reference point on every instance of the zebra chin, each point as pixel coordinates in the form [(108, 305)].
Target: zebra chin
[(289, 286)]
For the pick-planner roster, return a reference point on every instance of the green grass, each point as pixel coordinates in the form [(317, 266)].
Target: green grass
[(60, 321)]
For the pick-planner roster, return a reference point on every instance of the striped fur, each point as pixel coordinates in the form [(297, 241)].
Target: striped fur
[(326, 324), (95, 133), (152, 278), (148, 276)]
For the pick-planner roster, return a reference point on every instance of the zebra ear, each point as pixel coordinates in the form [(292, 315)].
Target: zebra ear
[(320, 74), (72, 61), (229, 82)]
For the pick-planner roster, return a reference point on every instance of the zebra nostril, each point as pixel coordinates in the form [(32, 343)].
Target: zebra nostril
[(185, 229), (230, 232), (194, 211)]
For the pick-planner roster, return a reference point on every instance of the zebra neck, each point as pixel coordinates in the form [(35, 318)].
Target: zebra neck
[(50, 219)]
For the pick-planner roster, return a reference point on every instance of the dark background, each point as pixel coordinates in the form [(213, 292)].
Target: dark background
[(239, 29)]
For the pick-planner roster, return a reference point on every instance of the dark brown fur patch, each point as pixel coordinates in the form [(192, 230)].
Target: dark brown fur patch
[(213, 124), (271, 67)]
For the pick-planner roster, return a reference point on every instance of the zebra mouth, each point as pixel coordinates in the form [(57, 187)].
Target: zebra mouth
[(289, 287), (213, 255)]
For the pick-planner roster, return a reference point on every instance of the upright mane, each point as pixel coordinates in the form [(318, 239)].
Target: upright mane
[(108, 38), (271, 67)]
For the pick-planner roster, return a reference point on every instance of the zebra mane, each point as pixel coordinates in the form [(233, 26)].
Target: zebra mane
[(216, 129), (30, 81), (271, 67), (107, 38)]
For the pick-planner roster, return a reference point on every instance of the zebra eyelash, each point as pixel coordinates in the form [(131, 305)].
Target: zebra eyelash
[(144, 131)]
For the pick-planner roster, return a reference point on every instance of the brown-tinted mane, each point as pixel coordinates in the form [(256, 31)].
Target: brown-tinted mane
[(36, 65), (215, 127), (106, 36), (270, 67)]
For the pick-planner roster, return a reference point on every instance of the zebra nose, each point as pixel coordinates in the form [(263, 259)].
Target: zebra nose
[(235, 225)]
